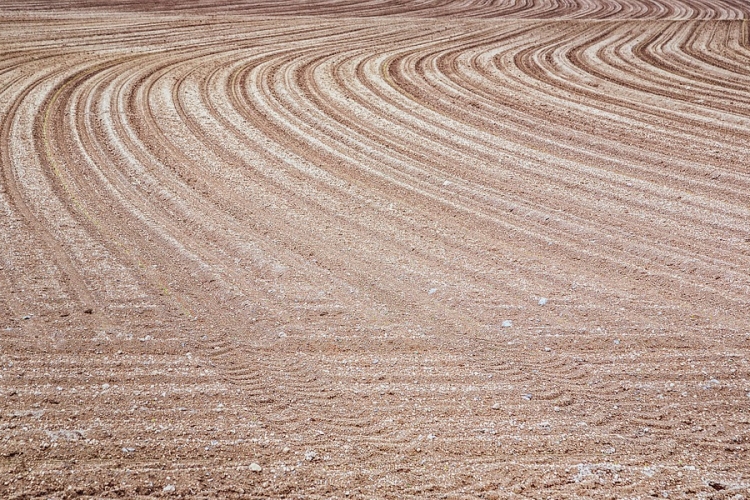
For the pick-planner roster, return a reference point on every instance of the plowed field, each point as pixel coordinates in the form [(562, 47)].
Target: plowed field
[(376, 249)]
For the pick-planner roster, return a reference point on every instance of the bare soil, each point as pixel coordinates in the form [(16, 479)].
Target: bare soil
[(375, 249)]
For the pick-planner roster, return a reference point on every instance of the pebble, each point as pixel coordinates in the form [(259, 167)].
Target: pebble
[(617, 341), (169, 488), (507, 323), (27, 317), (255, 467), (310, 455), (496, 406), (543, 301), (527, 397), (547, 349), (128, 450), (431, 291), (711, 384), (717, 485)]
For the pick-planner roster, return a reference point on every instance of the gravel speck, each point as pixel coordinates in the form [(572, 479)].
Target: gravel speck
[(543, 301), (255, 467), (507, 323)]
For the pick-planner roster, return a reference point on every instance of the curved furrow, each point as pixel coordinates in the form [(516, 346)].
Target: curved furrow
[(360, 157), (210, 252), (604, 131), (518, 9), (252, 372), (18, 146), (164, 114), (409, 249)]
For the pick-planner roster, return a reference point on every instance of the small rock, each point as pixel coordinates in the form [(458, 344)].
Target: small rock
[(27, 317), (431, 436), (431, 291), (507, 323), (310, 455), (496, 406), (717, 485), (255, 467), (526, 397), (88, 311), (128, 450), (547, 349), (286, 449), (543, 301), (169, 488), (105, 387), (711, 384), (617, 341)]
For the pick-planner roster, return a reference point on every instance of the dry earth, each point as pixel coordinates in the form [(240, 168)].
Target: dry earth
[(256, 233)]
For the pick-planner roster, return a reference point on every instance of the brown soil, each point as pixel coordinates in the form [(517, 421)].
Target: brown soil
[(292, 237)]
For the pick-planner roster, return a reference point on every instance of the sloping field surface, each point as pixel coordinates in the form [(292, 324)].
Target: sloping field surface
[(375, 249)]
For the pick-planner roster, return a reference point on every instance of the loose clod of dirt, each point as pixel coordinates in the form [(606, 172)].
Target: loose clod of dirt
[(378, 249)]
